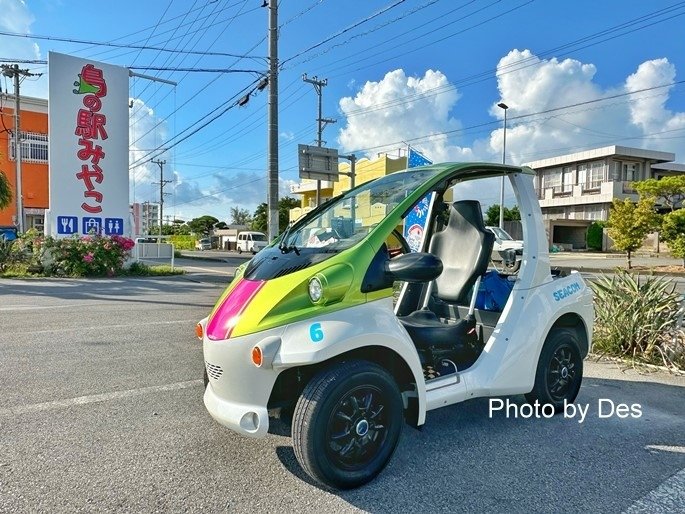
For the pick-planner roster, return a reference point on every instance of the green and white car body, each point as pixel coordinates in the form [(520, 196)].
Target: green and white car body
[(307, 303)]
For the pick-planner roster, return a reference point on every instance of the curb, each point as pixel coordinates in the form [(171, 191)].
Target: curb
[(643, 272)]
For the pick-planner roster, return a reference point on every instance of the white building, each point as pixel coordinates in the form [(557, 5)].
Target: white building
[(145, 217), (576, 189)]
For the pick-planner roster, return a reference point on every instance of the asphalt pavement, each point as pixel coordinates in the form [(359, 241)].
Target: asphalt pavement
[(101, 411)]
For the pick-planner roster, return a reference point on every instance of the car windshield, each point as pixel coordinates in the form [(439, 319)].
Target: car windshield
[(501, 234), (258, 237), (347, 219)]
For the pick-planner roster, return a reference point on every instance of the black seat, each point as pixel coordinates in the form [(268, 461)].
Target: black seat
[(464, 247)]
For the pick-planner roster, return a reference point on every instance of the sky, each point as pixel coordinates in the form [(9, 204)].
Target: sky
[(574, 75)]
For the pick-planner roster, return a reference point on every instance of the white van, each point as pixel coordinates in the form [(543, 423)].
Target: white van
[(251, 242)]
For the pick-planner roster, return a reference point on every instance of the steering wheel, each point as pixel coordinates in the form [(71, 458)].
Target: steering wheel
[(394, 252)]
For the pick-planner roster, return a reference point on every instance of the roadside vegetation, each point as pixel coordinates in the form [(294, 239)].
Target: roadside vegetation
[(638, 318), (32, 254)]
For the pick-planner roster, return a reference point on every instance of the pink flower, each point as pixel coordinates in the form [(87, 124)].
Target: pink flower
[(88, 257)]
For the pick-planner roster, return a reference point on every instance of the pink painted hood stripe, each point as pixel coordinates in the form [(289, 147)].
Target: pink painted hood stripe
[(226, 316)]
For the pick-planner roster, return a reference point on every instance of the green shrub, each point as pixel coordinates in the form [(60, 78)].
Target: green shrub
[(636, 317), (595, 233), (181, 242), (6, 253), (87, 255)]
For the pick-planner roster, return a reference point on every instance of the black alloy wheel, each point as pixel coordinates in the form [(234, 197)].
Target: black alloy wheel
[(559, 371), (347, 424)]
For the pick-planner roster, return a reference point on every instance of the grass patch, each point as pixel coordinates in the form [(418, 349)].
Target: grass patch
[(19, 270), (139, 269)]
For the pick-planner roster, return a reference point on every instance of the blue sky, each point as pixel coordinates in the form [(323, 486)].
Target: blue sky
[(396, 70)]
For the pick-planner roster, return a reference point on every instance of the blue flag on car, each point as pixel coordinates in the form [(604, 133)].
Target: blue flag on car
[(415, 222), (416, 159)]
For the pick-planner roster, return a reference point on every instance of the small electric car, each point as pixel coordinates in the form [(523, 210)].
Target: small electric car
[(308, 328)]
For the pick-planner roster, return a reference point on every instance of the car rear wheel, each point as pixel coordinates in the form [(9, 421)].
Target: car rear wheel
[(347, 424), (559, 371)]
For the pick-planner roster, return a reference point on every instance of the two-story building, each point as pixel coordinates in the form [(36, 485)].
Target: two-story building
[(365, 170), (34, 159), (576, 189)]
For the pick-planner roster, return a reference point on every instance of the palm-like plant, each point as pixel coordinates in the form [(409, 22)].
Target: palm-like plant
[(5, 191)]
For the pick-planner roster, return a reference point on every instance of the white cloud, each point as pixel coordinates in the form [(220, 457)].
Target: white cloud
[(400, 108), (15, 16), (144, 136), (389, 111), (649, 110)]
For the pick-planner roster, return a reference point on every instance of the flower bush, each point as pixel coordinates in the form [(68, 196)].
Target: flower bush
[(88, 255)]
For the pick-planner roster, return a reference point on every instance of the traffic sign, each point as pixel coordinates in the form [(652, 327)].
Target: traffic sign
[(318, 163)]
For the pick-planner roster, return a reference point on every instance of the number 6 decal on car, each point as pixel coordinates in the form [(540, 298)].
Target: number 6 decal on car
[(316, 333)]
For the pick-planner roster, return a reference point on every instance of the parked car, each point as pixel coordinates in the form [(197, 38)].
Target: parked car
[(308, 326), (503, 248), (204, 244), (251, 242)]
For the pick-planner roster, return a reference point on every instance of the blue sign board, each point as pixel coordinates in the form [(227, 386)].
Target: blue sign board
[(67, 225), (415, 223), (92, 225), (114, 226)]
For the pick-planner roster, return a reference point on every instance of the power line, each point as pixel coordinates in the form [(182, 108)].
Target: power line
[(427, 137), (345, 30), (517, 65), (117, 45), (237, 103)]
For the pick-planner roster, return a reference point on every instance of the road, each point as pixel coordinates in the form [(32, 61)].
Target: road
[(101, 411)]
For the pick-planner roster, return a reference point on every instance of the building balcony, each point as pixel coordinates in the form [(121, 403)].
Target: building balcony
[(310, 185), (565, 190), (594, 187)]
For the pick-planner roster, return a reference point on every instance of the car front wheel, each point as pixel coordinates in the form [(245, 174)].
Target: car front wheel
[(347, 424)]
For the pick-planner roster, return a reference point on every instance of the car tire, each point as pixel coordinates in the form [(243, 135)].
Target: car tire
[(559, 371), (347, 423), (513, 268)]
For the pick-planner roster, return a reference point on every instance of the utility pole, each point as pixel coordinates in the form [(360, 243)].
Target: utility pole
[(15, 72), (272, 148), (161, 184), (352, 174), (322, 122)]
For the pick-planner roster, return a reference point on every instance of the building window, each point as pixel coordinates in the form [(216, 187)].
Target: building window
[(552, 178), (631, 171), (34, 147), (596, 174)]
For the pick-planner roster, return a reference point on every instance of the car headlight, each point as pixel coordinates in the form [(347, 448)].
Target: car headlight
[(315, 290)]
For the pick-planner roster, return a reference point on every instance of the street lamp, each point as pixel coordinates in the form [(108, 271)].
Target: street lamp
[(503, 106)]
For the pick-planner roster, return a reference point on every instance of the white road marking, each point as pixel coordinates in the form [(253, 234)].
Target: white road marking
[(664, 448), (34, 307), (108, 327), (95, 398), (668, 497), (210, 270)]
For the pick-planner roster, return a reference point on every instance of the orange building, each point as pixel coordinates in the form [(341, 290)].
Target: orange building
[(34, 159)]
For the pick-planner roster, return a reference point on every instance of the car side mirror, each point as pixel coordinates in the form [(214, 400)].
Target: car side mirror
[(414, 267)]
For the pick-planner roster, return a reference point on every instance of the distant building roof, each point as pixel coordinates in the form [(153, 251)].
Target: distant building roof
[(598, 153), (669, 166)]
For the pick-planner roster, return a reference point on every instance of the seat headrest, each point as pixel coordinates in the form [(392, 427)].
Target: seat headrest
[(470, 211)]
